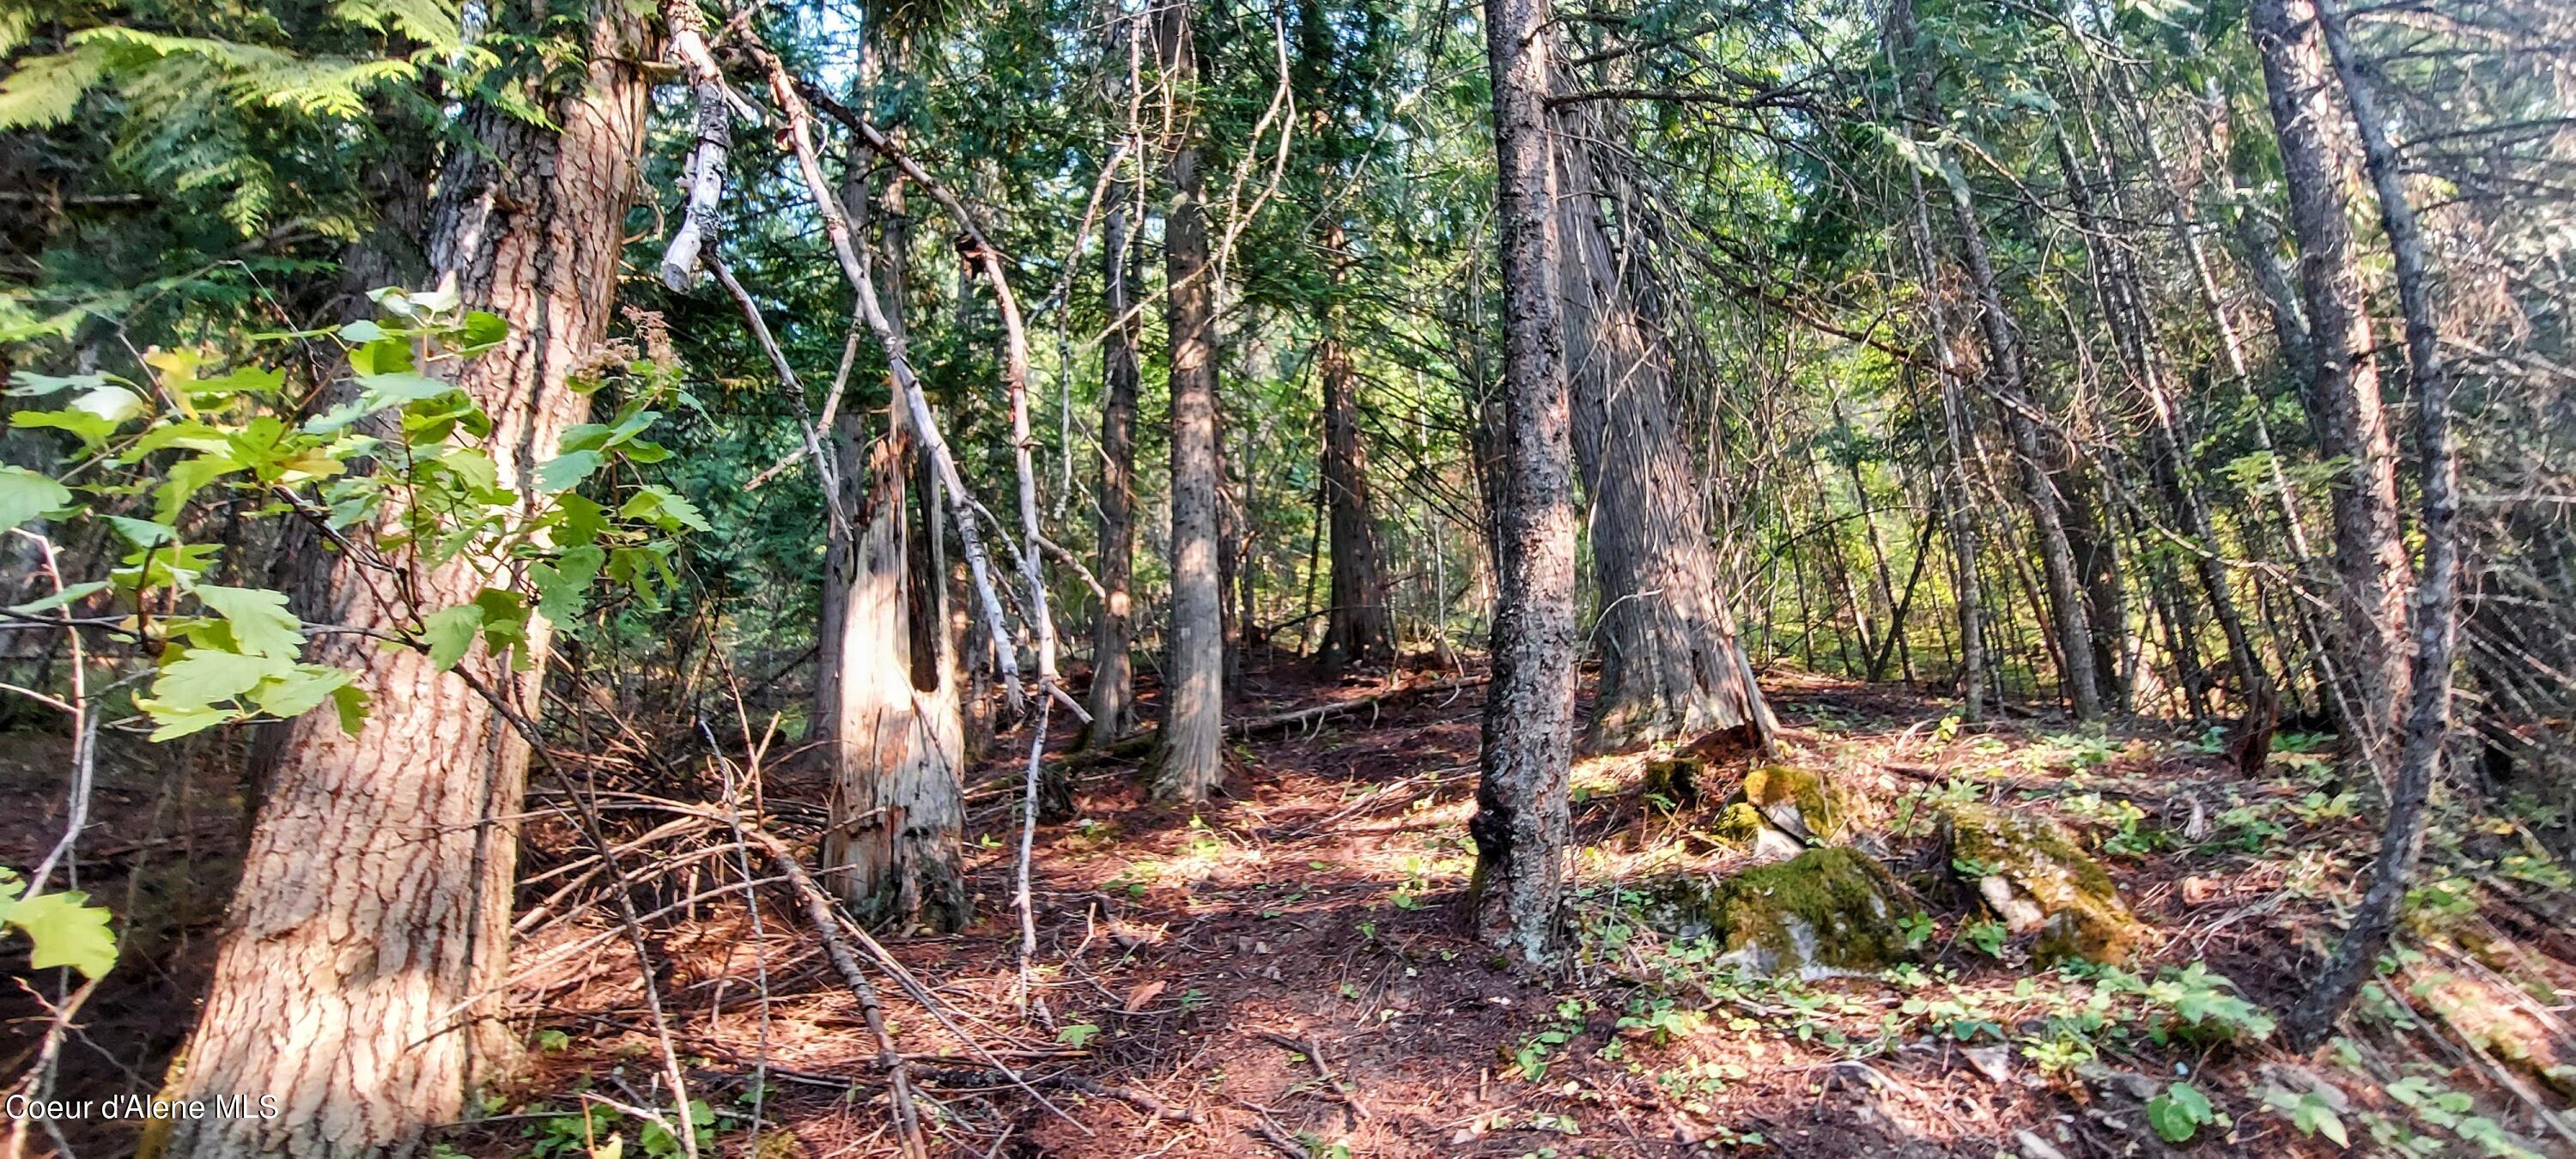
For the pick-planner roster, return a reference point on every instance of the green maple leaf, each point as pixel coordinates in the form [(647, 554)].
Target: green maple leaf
[(261, 623), (66, 930), (25, 495)]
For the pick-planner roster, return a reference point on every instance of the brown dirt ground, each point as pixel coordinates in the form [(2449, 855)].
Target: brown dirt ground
[(1206, 964)]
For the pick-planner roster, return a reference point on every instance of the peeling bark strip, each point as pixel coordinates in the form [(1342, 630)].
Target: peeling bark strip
[(1190, 761), (1670, 664), (2342, 378), (1521, 821), (357, 969)]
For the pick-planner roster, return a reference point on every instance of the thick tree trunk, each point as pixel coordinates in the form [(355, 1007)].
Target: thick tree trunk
[(359, 970), (2342, 376), (1521, 822), (1670, 664), (1358, 624), (2428, 714), (1113, 671), (1189, 761)]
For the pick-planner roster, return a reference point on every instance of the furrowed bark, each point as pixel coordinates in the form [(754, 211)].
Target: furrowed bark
[(1670, 664), (2342, 377), (1521, 822), (1189, 761), (358, 967)]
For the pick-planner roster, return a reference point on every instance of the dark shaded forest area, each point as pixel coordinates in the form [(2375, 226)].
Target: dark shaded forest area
[(592, 578)]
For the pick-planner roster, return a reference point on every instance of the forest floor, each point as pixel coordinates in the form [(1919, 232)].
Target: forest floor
[(1284, 972)]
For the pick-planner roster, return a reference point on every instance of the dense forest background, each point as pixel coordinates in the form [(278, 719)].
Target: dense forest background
[(1331, 576)]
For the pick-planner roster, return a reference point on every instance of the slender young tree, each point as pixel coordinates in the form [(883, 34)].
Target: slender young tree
[(2007, 377), (359, 972), (1113, 671), (1190, 758), (2427, 725), (1522, 820)]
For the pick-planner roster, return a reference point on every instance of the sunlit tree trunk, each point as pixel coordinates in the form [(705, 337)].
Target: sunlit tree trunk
[(1358, 623), (359, 971), (1189, 761), (2342, 377), (1113, 671), (1521, 822), (897, 797)]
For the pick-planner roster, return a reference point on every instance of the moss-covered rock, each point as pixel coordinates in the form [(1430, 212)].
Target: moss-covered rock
[(1823, 913), (2030, 872), (1797, 802)]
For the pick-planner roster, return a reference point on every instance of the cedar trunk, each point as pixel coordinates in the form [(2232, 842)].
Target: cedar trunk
[(1190, 761), (1521, 822), (1670, 664), (1358, 624), (361, 959)]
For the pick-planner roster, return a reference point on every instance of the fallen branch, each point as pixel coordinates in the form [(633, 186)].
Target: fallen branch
[(1314, 1053), (1320, 712)]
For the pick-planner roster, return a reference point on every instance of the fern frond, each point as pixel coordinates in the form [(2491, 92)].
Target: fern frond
[(43, 92)]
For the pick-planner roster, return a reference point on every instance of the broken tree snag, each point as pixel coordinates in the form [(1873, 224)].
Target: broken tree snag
[(896, 803), (799, 136), (1521, 821), (703, 177)]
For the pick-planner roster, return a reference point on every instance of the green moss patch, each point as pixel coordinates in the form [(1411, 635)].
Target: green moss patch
[(1823, 913), (1797, 802)]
